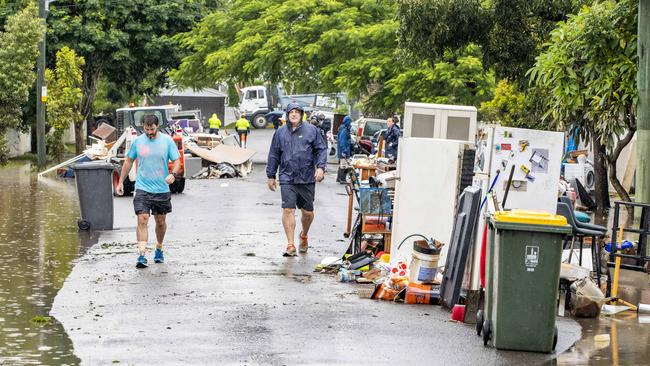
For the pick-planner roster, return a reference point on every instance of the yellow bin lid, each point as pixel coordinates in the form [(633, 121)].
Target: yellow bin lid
[(530, 217)]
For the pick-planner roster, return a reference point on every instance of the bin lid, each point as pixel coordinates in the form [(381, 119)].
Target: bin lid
[(93, 165), (530, 217)]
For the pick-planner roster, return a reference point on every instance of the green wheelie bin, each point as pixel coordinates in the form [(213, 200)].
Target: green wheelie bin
[(523, 255)]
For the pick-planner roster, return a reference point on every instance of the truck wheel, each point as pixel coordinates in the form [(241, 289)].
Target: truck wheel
[(178, 186), (259, 121)]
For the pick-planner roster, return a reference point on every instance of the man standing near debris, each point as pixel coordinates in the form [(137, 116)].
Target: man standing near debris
[(242, 126), (300, 154), (153, 150), (344, 138), (392, 139), (215, 124)]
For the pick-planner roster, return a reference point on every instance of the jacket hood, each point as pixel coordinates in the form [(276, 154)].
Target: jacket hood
[(347, 120)]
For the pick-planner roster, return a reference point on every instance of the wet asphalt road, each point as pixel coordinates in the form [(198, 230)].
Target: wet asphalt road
[(226, 295)]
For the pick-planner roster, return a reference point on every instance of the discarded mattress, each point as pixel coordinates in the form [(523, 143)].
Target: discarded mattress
[(223, 154)]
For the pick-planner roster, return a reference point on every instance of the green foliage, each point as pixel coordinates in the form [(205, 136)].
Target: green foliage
[(513, 108), (128, 43), (508, 31), (18, 51), (64, 97), (588, 69), (325, 46)]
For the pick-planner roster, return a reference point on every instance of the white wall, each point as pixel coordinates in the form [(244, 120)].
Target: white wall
[(19, 143)]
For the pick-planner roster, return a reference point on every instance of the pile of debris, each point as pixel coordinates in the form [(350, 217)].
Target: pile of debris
[(221, 170)]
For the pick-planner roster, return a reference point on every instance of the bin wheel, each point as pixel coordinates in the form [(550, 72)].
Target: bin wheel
[(83, 224), (479, 322), (487, 332), (555, 338)]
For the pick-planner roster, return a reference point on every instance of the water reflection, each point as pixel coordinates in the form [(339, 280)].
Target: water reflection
[(38, 242)]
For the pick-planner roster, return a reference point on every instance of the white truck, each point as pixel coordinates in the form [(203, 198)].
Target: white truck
[(258, 100)]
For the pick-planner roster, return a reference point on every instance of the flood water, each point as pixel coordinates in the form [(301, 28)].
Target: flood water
[(39, 240)]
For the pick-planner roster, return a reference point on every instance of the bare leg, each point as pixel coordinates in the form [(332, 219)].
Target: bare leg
[(161, 229), (306, 219), (289, 223), (142, 232)]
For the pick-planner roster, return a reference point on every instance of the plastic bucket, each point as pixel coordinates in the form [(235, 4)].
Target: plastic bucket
[(424, 263)]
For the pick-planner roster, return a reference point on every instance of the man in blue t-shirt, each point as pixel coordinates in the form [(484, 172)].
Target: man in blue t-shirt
[(153, 150)]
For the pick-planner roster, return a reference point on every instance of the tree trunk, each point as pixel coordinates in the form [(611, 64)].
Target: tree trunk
[(90, 79), (600, 172)]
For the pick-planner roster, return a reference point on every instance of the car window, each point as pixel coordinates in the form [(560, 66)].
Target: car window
[(251, 94), (138, 115), (372, 127)]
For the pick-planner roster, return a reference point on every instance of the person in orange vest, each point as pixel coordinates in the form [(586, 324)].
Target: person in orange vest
[(242, 126)]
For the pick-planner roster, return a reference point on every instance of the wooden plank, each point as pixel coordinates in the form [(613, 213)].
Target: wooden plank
[(223, 154)]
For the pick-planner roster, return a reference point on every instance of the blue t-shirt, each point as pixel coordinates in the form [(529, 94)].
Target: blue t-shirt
[(153, 157)]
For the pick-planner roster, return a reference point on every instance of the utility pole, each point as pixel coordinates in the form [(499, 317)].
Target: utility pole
[(41, 91), (643, 108)]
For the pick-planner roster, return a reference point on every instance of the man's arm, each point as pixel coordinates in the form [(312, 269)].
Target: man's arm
[(273, 161), (320, 152)]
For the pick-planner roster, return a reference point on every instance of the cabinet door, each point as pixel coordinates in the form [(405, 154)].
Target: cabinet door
[(458, 125)]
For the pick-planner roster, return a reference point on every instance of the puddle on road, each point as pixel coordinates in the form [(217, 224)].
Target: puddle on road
[(39, 240), (623, 339)]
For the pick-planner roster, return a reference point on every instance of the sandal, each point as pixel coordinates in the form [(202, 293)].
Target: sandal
[(290, 251), (304, 245)]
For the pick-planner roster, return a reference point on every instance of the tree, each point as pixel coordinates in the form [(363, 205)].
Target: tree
[(588, 70), (127, 43), (64, 98), (325, 46), (18, 51), (514, 108)]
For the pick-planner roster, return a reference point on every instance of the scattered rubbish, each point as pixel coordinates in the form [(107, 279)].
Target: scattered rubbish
[(613, 309), (644, 319), (458, 313), (602, 339), (346, 275), (644, 308), (424, 264), (221, 170), (421, 294), (573, 272), (587, 299), (249, 254)]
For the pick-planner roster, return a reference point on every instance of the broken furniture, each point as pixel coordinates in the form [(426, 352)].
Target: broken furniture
[(640, 260)]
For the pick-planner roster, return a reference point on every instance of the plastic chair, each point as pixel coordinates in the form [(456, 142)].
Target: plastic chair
[(579, 232)]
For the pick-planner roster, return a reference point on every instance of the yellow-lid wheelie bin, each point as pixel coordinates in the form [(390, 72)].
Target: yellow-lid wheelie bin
[(523, 255)]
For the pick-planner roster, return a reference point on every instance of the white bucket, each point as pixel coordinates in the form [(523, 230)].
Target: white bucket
[(424, 264)]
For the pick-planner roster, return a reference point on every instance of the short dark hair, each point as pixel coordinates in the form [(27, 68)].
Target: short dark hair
[(150, 119)]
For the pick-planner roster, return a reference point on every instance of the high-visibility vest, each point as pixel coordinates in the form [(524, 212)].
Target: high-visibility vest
[(242, 124), (214, 121)]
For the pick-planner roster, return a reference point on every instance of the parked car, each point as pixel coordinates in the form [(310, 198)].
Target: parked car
[(365, 128)]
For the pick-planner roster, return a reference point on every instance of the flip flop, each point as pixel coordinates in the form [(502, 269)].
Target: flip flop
[(304, 245), (290, 251)]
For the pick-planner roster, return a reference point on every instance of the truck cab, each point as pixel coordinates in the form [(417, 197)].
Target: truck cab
[(254, 102)]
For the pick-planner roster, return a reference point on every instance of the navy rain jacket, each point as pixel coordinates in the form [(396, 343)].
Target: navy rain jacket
[(296, 153), (343, 138), (392, 140)]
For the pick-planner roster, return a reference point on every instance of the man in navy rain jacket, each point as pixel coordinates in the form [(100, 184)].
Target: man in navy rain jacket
[(343, 138), (300, 154)]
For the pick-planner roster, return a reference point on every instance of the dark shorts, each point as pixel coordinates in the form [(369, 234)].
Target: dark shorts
[(298, 196), (152, 203)]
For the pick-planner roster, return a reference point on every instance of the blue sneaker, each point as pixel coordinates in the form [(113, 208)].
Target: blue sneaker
[(142, 262), (158, 256)]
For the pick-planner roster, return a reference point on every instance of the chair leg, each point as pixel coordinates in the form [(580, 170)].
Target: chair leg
[(598, 263), (581, 241), (573, 238)]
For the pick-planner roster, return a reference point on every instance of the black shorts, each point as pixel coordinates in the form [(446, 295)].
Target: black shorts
[(152, 203), (298, 196)]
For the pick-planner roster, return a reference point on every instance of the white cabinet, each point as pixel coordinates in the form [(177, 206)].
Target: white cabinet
[(449, 122)]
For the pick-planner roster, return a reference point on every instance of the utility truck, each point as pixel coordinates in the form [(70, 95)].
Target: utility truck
[(258, 100)]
